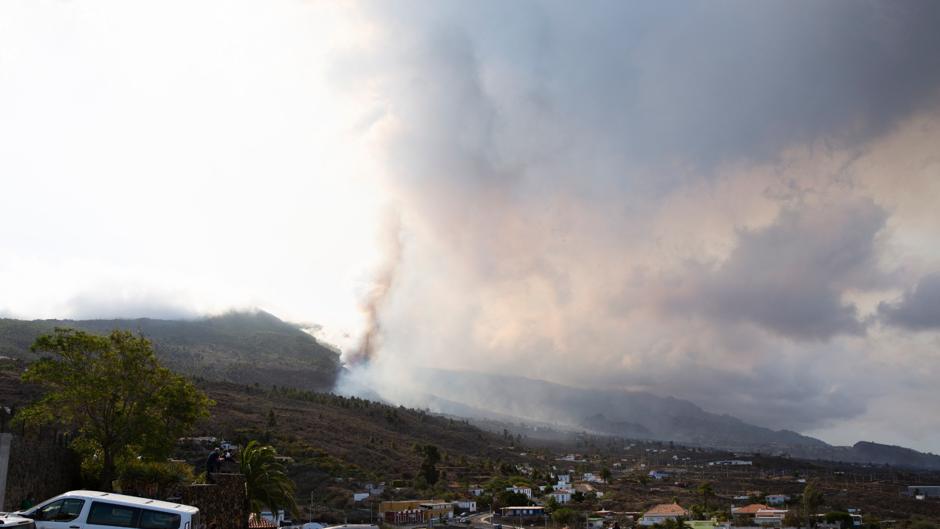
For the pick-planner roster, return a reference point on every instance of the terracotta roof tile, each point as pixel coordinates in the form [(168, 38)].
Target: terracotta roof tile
[(667, 509), (750, 509)]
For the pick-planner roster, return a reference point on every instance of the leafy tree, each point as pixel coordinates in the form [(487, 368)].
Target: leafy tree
[(552, 504), (564, 516), (428, 470), (112, 390), (705, 489), (508, 498), (266, 479), (812, 499), (605, 474)]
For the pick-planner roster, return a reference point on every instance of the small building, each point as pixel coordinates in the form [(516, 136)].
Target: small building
[(561, 496), (359, 496), (521, 489), (415, 512), (659, 474), (664, 511), (770, 517), (465, 505), (523, 514), (745, 515), (476, 491), (776, 499)]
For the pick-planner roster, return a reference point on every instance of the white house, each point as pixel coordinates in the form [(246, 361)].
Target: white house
[(776, 499), (561, 496), (476, 491), (521, 489), (592, 478), (465, 505), (658, 514), (770, 517), (659, 474), (359, 496)]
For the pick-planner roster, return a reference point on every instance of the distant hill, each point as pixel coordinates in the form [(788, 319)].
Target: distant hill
[(638, 415), (335, 443), (242, 347)]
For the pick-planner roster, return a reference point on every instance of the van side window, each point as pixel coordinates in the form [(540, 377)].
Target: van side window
[(110, 514), (158, 520), (69, 511), (47, 512)]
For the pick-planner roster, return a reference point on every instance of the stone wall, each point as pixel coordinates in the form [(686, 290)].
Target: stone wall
[(41, 466), (223, 504)]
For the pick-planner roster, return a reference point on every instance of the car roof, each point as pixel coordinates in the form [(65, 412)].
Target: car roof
[(129, 500)]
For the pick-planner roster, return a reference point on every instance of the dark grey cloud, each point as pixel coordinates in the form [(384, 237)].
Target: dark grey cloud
[(789, 277), (699, 82), (918, 309), (543, 148)]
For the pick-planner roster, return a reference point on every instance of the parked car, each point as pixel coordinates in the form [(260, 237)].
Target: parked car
[(88, 509), (12, 521)]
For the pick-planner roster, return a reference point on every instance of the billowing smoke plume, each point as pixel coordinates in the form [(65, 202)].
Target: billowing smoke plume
[(706, 200), (378, 294)]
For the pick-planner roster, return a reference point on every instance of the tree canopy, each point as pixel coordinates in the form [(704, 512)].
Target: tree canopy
[(113, 392), (266, 479)]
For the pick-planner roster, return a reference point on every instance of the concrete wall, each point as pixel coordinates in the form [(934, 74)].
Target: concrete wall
[(222, 504), (40, 466)]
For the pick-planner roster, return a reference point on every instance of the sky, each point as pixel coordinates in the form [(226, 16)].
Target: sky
[(730, 202)]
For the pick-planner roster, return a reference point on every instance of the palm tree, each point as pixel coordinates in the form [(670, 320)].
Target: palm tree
[(705, 489), (266, 480)]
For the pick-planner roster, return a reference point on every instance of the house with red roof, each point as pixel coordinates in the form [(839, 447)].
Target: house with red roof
[(658, 514)]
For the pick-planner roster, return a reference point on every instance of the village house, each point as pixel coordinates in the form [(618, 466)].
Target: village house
[(776, 499), (465, 505), (562, 496), (476, 491), (658, 514), (518, 515), (770, 517), (415, 512), (521, 489), (659, 474), (359, 496)]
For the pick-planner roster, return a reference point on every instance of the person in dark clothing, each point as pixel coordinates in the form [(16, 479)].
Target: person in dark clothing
[(212, 462)]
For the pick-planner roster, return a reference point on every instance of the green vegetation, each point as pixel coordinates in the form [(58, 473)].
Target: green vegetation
[(266, 479), (432, 456), (252, 347), (812, 500), (112, 390)]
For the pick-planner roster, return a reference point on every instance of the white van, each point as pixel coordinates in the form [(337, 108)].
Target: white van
[(88, 509)]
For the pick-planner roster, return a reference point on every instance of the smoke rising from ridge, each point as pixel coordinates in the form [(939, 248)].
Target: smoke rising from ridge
[(691, 200), (381, 288)]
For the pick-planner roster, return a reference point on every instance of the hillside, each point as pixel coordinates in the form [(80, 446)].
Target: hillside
[(253, 347), (335, 443), (638, 415)]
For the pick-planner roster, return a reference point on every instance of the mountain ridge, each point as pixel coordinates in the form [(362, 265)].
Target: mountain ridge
[(259, 348)]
